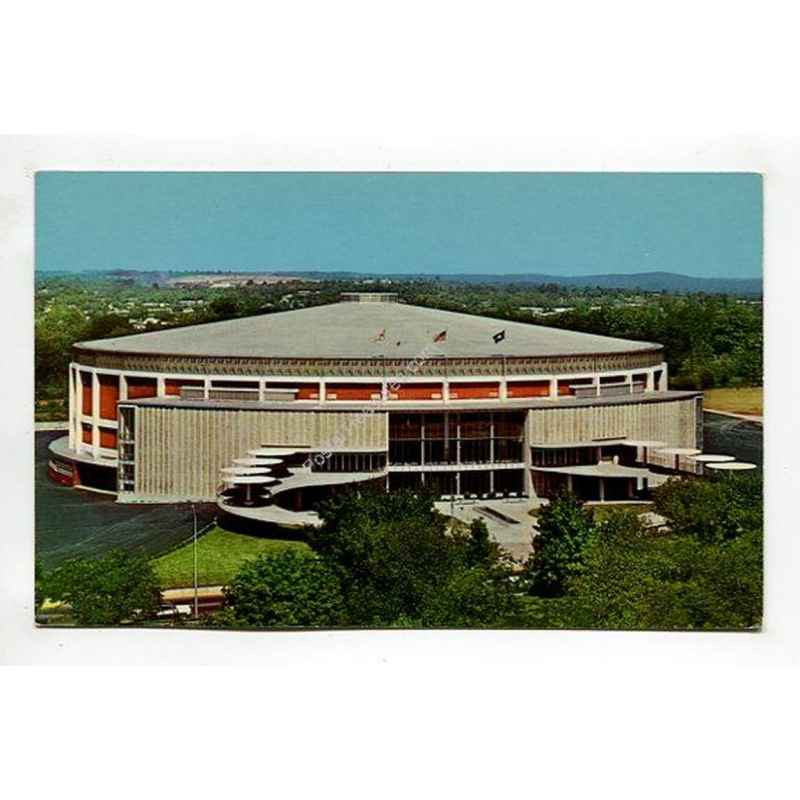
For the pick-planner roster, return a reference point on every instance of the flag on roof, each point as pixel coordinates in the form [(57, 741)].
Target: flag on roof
[(440, 337), (380, 336), (499, 336)]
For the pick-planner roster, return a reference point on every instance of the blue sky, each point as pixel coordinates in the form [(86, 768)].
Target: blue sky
[(704, 225)]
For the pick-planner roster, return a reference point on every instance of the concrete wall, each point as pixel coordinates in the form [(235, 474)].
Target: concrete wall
[(180, 451), (673, 422)]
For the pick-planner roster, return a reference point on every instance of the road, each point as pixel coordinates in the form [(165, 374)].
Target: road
[(70, 522), (732, 436)]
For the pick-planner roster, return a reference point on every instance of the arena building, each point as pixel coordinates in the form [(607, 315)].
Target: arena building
[(276, 410)]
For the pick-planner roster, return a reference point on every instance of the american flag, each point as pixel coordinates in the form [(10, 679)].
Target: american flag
[(440, 337)]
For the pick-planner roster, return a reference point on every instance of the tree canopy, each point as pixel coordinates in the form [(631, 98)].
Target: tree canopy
[(564, 530), (705, 573), (286, 589), (399, 563), (115, 588)]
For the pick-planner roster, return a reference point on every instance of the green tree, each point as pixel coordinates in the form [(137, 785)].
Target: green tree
[(118, 587), (399, 564), (286, 589), (39, 590), (564, 529), (107, 325), (472, 597), (480, 549), (632, 580), (713, 509)]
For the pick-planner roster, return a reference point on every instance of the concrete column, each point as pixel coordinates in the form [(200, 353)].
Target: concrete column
[(78, 404), (206, 388), (527, 480), (422, 446), (261, 385), (446, 391), (161, 387), (123, 387), (663, 382), (602, 490), (95, 414), (553, 388), (71, 417), (596, 382), (503, 389), (491, 437), (322, 395), (651, 381)]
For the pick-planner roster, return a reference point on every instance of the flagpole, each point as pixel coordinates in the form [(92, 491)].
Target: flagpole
[(383, 368)]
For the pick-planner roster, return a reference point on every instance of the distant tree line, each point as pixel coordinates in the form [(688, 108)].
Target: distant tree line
[(709, 340)]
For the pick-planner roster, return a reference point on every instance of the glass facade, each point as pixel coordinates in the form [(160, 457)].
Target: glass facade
[(126, 467), (434, 445), (488, 437), (350, 462)]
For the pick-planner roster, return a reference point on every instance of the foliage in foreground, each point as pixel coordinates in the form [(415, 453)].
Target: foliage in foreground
[(706, 574), (564, 530), (118, 587), (400, 564), (395, 563), (712, 510), (631, 580), (284, 589)]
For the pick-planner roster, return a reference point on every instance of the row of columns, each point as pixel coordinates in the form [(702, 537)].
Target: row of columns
[(650, 385), (76, 414)]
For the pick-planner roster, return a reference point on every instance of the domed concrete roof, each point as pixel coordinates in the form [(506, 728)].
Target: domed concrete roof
[(363, 330)]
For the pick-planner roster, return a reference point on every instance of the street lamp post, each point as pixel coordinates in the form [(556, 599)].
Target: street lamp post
[(194, 548)]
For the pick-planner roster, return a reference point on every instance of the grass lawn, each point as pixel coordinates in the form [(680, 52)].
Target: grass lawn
[(600, 512), (749, 400), (220, 553)]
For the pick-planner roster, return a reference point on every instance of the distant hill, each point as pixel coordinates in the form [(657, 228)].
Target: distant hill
[(644, 281)]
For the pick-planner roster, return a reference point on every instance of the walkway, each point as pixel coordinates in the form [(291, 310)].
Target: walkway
[(301, 479), (758, 420), (509, 522), (51, 426)]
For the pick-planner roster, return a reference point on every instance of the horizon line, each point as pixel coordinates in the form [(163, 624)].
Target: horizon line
[(291, 271)]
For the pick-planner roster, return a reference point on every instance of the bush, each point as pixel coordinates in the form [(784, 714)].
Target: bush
[(714, 509), (399, 565), (473, 597), (564, 529), (118, 587), (630, 580), (283, 590)]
